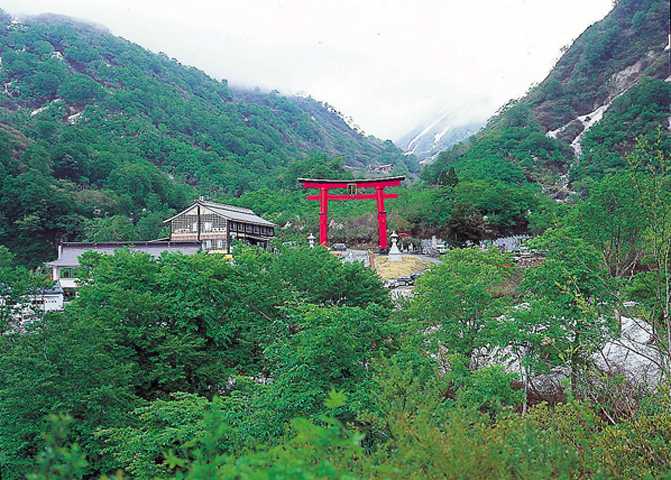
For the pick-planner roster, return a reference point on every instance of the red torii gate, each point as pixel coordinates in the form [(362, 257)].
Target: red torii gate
[(352, 186)]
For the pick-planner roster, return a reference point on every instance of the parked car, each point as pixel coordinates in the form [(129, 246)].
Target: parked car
[(339, 247), (442, 248)]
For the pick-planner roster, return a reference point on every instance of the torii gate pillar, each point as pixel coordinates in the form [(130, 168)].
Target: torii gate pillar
[(353, 186), (323, 216), (381, 218)]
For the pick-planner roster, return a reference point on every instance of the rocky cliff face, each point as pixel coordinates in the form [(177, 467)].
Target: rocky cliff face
[(608, 59), (619, 83)]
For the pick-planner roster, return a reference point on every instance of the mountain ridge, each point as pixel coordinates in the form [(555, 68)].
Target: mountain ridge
[(101, 35), (605, 65)]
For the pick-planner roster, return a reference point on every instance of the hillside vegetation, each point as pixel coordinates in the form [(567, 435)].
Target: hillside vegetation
[(93, 126), (607, 90), (117, 138)]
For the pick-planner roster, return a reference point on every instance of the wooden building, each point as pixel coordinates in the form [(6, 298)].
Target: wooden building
[(204, 225), (216, 226)]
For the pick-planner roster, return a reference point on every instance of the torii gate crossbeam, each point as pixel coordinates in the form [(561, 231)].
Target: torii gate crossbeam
[(379, 195)]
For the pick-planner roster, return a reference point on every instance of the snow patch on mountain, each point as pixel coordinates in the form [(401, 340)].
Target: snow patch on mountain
[(74, 118), (427, 141), (588, 121), (411, 147), (620, 82), (37, 111)]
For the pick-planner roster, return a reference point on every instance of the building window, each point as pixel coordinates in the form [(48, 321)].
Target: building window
[(194, 227), (208, 226), (220, 244), (207, 244), (68, 272)]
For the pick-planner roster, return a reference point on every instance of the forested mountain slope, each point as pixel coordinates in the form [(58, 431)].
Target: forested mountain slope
[(608, 88), (92, 126)]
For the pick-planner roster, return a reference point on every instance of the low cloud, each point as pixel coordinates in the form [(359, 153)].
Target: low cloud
[(390, 65)]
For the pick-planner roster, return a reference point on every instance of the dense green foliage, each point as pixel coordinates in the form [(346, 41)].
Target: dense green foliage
[(471, 305), (294, 364), (145, 329), (250, 370)]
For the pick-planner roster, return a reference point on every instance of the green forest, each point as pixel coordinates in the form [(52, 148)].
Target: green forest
[(289, 363), (296, 365)]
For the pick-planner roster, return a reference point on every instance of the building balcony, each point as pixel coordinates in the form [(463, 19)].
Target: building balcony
[(191, 236)]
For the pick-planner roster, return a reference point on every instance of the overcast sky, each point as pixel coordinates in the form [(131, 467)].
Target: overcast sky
[(390, 65)]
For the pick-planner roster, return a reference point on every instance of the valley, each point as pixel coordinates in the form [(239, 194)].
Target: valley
[(495, 304)]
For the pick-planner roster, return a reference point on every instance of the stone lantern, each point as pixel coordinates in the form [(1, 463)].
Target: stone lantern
[(394, 252), (311, 240)]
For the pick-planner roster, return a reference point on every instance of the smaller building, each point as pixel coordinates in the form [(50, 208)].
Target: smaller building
[(216, 226), (64, 268), (48, 299), (33, 305)]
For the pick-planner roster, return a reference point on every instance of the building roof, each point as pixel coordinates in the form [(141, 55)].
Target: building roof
[(69, 252), (229, 212)]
